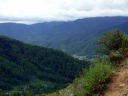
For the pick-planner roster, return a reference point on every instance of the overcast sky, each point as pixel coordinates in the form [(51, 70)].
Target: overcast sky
[(32, 11)]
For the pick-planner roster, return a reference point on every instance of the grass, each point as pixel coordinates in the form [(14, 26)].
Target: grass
[(92, 82), (94, 79)]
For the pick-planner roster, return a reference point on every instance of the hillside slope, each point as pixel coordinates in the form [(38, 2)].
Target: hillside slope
[(118, 86), (44, 69)]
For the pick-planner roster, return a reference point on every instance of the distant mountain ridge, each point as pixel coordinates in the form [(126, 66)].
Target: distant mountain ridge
[(75, 37)]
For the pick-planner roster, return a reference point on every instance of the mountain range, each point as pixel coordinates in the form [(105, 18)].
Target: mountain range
[(75, 37)]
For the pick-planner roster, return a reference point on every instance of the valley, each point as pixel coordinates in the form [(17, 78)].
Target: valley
[(75, 58)]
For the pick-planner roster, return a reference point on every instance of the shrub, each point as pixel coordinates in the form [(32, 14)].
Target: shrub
[(15, 93), (112, 41), (94, 79), (115, 45), (1, 92)]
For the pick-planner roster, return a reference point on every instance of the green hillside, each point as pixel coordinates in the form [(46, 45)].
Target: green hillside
[(108, 75), (36, 68)]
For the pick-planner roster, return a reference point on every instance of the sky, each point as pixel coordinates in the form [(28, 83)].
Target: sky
[(33, 11)]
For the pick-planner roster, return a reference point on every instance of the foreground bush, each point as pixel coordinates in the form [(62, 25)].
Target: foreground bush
[(94, 80), (115, 45)]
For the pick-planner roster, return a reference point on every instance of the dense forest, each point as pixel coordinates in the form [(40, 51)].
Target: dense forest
[(39, 69)]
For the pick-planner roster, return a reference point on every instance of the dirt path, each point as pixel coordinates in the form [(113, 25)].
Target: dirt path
[(119, 84)]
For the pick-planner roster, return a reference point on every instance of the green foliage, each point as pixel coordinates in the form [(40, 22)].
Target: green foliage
[(1, 92), (111, 41), (115, 45), (94, 79), (15, 93), (23, 64)]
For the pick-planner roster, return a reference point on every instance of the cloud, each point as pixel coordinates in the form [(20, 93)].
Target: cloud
[(32, 11)]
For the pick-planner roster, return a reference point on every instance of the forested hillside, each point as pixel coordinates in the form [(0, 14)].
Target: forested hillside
[(37, 68), (75, 37)]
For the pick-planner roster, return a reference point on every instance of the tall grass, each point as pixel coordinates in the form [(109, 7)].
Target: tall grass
[(95, 79)]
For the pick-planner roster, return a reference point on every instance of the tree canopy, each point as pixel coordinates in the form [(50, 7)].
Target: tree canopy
[(42, 69), (114, 44)]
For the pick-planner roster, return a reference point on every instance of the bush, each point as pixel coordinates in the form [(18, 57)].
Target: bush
[(1, 92), (115, 45), (112, 41), (94, 79)]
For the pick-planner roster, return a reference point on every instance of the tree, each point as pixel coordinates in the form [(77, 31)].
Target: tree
[(115, 45)]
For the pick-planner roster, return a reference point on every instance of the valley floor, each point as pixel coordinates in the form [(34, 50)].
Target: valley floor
[(119, 84)]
